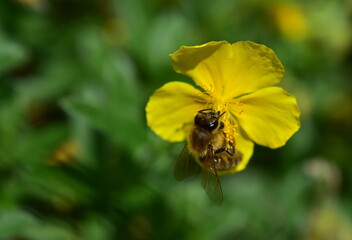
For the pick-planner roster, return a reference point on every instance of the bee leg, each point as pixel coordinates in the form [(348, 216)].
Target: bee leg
[(220, 150), (211, 149), (225, 149), (212, 152), (231, 151)]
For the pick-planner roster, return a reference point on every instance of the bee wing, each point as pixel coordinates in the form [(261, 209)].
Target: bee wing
[(186, 165), (210, 179)]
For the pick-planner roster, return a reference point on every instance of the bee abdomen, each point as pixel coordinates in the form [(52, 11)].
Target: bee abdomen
[(224, 161)]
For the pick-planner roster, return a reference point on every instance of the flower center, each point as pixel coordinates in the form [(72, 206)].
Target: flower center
[(230, 125)]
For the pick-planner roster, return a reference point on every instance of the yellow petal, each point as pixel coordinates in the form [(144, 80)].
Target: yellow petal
[(171, 110), (244, 146), (269, 116), (226, 70), (254, 66), (203, 63)]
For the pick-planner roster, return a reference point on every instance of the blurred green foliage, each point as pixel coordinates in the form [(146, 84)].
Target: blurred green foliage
[(77, 160)]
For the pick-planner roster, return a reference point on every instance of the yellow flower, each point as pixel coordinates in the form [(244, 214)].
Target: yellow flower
[(291, 21), (237, 79)]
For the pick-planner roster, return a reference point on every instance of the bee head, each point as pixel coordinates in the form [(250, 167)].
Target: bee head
[(208, 119)]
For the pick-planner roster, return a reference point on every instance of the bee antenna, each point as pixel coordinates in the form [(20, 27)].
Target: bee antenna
[(221, 114), (204, 110)]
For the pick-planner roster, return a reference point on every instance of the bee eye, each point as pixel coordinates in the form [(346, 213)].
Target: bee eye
[(207, 123), (212, 125)]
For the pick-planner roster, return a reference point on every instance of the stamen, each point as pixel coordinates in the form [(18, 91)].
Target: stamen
[(200, 97), (239, 104), (230, 131)]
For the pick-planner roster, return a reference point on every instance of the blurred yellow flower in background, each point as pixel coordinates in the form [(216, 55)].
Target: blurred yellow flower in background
[(237, 79), (34, 4), (290, 21)]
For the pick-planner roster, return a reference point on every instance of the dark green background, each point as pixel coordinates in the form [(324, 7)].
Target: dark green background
[(79, 74)]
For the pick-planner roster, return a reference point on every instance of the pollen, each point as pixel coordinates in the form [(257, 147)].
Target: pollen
[(230, 130), (230, 137)]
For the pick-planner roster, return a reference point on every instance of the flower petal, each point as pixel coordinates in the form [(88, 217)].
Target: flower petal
[(244, 146), (203, 63), (226, 70), (172, 108), (269, 116), (254, 66)]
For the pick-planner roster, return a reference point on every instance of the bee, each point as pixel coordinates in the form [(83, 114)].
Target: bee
[(207, 152)]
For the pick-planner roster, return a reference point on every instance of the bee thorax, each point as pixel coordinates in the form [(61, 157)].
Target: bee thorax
[(199, 141)]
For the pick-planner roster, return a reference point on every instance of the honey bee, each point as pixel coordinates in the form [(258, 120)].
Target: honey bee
[(208, 147)]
